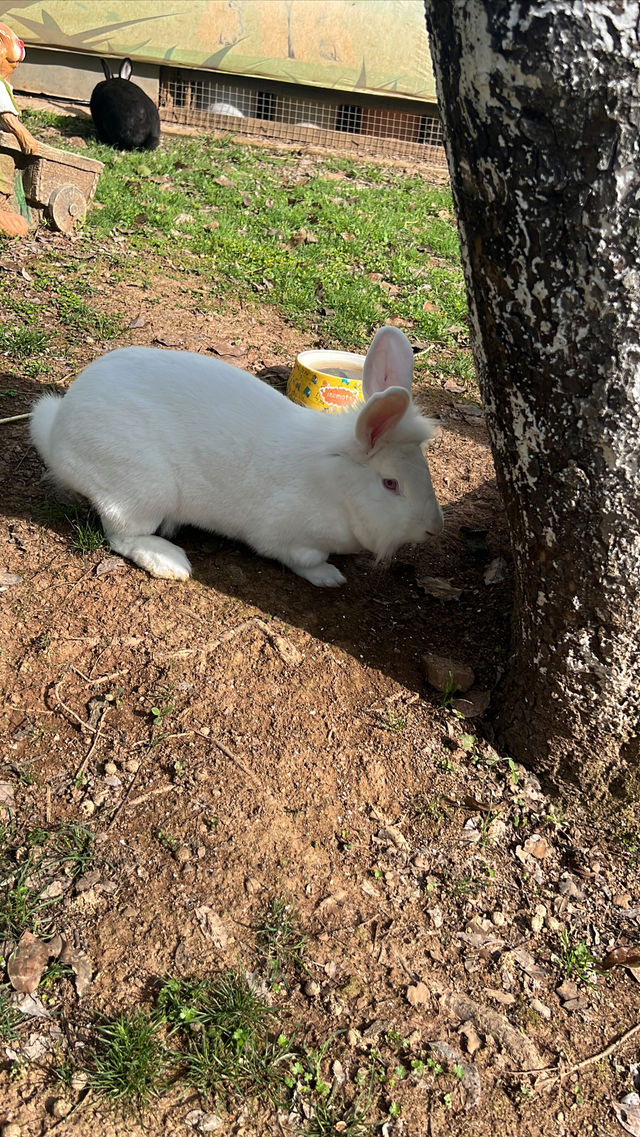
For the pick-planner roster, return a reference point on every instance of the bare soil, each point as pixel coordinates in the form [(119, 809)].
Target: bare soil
[(299, 753)]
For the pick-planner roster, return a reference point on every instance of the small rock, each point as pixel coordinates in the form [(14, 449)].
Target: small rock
[(110, 768), (567, 990), (132, 765), (471, 1037), (498, 919), (11, 1130), (537, 846), (312, 988), (87, 807), (444, 673), (418, 994), (537, 920), (79, 1081), (182, 854), (354, 1038), (473, 704), (392, 833), (540, 1008), (88, 880), (622, 899), (60, 1108), (503, 997)]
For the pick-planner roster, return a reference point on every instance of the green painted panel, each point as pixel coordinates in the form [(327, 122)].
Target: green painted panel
[(372, 46)]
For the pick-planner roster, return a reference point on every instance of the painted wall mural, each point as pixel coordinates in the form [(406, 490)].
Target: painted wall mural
[(370, 46)]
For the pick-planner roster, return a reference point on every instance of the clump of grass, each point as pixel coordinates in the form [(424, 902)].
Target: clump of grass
[(10, 1018), (281, 942), (27, 869), (575, 959), (229, 1045), (129, 1064)]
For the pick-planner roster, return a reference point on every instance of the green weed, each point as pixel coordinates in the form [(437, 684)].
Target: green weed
[(26, 870), (575, 959), (10, 1018), (281, 942)]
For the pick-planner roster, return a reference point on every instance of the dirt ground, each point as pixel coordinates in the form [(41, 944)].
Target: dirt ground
[(297, 752)]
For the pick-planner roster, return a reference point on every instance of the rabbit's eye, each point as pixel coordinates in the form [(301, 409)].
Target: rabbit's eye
[(391, 485)]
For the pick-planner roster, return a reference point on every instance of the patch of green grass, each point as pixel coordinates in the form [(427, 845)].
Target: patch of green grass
[(129, 1063), (86, 531), (229, 1045), (338, 246), (10, 1018), (575, 959), (281, 942), (26, 347), (27, 869)]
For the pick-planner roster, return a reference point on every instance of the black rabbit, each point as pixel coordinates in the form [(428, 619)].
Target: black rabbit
[(124, 116)]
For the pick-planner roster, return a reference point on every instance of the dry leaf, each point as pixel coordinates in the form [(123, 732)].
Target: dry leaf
[(628, 1113), (27, 963), (8, 579), (438, 587), (212, 927), (110, 564), (418, 995), (495, 571), (622, 957)]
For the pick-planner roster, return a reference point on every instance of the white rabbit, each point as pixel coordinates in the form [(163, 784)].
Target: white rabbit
[(156, 439)]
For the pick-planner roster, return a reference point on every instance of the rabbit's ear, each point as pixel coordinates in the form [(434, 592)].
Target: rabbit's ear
[(379, 415), (126, 68), (389, 362), (106, 69)]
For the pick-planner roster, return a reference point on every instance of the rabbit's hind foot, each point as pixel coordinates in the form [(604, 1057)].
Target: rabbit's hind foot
[(159, 557)]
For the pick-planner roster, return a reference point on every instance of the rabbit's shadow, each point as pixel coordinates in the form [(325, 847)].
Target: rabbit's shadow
[(385, 616)]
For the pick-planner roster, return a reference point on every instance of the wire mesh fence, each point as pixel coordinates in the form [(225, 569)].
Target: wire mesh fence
[(195, 99)]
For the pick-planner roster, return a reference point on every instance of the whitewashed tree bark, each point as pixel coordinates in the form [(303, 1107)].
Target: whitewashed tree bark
[(541, 110)]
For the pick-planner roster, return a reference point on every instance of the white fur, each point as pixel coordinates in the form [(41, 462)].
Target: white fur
[(156, 439)]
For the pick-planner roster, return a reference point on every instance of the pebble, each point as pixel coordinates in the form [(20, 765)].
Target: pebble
[(60, 1108), (11, 1130), (87, 807), (110, 768), (182, 854), (498, 919), (353, 1037), (312, 988), (537, 920), (132, 765), (503, 997), (79, 1081), (540, 1009)]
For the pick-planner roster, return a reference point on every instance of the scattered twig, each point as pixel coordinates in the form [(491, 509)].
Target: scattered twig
[(98, 734), (152, 793), (237, 762), (205, 649), (557, 1075), (14, 418), (86, 725)]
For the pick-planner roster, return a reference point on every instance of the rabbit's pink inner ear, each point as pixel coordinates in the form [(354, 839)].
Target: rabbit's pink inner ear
[(379, 415), (388, 363)]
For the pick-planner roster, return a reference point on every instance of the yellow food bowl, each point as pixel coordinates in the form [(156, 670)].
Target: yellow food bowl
[(327, 380)]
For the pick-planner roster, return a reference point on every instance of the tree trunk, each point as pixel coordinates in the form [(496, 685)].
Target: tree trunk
[(541, 111)]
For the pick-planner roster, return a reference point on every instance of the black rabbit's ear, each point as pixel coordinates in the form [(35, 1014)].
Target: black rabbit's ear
[(125, 69), (106, 69)]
